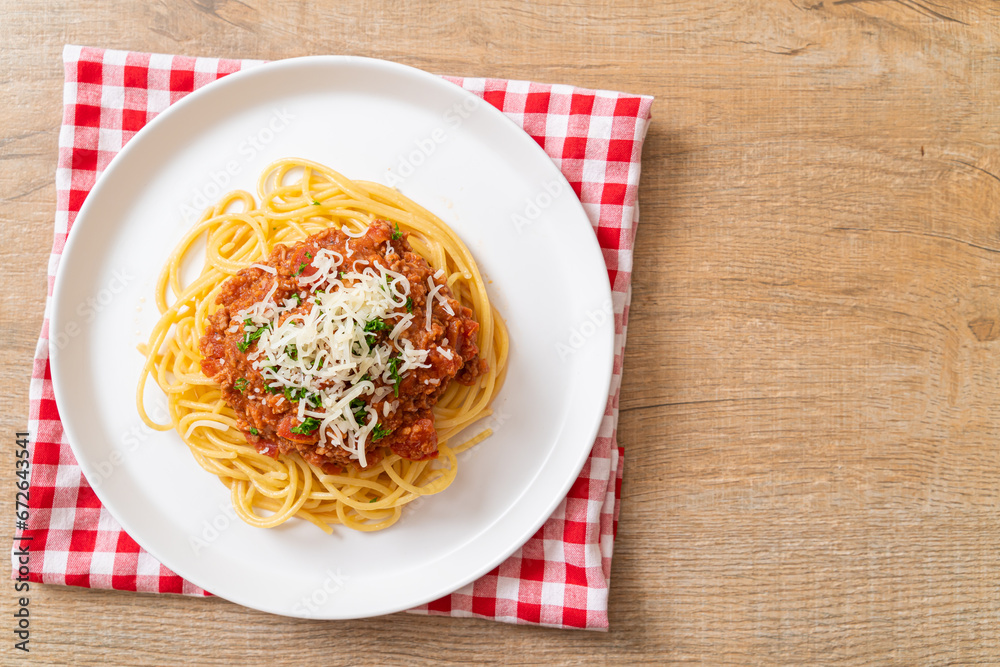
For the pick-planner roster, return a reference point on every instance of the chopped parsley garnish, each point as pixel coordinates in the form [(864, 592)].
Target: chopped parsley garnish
[(292, 351), (394, 374), (241, 385), (268, 388), (296, 393), (378, 432), (307, 426), (254, 431), (396, 234), (302, 267), (315, 399), (358, 406), (373, 327), (378, 324), (409, 304), (373, 500), (251, 337), (309, 255), (296, 298), (315, 203)]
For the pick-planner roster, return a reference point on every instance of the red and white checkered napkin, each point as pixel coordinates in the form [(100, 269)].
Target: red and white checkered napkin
[(560, 576)]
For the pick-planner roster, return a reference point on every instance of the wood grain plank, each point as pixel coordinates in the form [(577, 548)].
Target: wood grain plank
[(811, 378)]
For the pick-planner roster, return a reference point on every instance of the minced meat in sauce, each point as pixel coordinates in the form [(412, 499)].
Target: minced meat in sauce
[(269, 420)]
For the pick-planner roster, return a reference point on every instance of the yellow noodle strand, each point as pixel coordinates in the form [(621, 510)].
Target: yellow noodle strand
[(299, 198)]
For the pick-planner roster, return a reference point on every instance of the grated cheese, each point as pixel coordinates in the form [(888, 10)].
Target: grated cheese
[(264, 267), (323, 354)]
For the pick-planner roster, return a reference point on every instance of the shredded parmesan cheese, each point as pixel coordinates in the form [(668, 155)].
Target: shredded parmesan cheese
[(264, 267), (325, 351)]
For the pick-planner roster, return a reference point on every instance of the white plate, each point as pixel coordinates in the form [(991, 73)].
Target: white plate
[(447, 150)]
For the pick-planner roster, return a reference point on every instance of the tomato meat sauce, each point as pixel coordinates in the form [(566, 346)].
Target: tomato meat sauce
[(270, 420)]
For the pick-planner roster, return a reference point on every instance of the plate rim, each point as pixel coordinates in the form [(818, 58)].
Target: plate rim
[(82, 222)]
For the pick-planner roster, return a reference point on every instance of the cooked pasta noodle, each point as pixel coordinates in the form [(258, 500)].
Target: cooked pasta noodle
[(299, 198)]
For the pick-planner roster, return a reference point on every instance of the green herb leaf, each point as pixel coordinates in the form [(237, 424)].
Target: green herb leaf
[(409, 304), (295, 394), (373, 327), (292, 351), (302, 267), (241, 385), (373, 500), (358, 406), (308, 426), (376, 325), (254, 431), (249, 337), (396, 234), (315, 203), (379, 432), (394, 374)]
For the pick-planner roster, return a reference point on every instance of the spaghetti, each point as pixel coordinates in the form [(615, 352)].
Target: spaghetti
[(330, 468)]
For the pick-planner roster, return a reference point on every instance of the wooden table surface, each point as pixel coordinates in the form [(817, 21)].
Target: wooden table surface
[(810, 398)]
